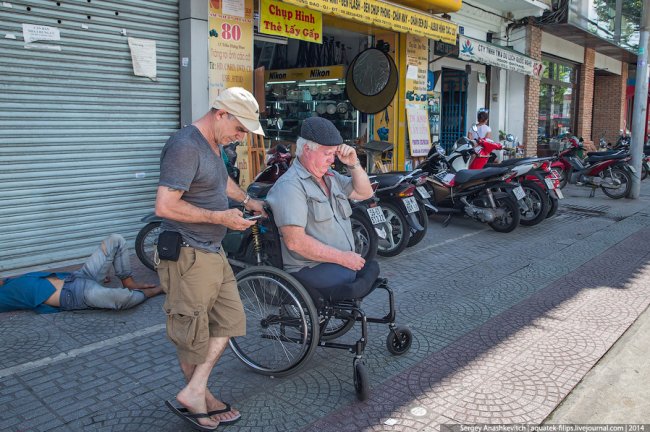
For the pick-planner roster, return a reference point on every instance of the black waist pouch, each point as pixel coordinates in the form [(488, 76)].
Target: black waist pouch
[(169, 245)]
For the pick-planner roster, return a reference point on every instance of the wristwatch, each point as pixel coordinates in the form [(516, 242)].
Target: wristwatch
[(248, 198), (356, 164)]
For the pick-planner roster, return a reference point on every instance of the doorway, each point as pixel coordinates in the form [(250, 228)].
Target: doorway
[(454, 106)]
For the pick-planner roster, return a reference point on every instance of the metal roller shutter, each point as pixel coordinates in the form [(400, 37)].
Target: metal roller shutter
[(80, 135)]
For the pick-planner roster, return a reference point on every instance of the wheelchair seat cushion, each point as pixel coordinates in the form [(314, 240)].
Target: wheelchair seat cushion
[(360, 287)]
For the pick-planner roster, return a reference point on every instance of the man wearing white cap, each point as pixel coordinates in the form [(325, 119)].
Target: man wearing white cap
[(203, 306)]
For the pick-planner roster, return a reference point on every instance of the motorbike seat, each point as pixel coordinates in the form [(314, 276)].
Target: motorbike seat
[(464, 176), (259, 190), (602, 153), (599, 158), (386, 179), (510, 162)]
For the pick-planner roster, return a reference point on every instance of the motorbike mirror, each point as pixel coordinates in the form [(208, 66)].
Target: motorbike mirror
[(510, 138)]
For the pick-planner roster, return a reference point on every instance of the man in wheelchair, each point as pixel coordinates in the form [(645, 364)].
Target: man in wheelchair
[(311, 209)]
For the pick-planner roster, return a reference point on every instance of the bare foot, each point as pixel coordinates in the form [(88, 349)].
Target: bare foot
[(130, 283), (195, 403), (151, 292), (215, 404)]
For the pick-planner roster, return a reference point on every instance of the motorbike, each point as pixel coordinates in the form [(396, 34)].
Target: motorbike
[(483, 195), (606, 170)]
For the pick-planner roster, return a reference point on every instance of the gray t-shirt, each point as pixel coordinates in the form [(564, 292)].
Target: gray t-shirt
[(188, 163), (297, 199)]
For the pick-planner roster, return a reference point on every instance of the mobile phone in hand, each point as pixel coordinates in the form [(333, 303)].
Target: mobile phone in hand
[(253, 217)]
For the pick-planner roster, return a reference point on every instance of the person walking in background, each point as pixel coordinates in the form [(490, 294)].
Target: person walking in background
[(484, 131)]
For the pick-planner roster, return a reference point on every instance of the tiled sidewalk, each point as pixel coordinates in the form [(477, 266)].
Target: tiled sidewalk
[(505, 325)]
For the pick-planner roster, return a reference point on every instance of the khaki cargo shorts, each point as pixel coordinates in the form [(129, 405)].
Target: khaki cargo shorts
[(202, 302)]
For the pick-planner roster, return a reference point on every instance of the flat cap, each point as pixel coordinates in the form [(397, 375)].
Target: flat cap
[(321, 131)]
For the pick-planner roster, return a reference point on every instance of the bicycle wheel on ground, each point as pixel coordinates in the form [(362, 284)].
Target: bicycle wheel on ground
[(146, 243), (281, 322)]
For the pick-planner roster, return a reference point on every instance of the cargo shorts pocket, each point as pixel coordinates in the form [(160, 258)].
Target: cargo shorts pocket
[(187, 328)]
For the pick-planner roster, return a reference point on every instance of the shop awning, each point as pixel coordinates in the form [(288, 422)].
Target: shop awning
[(495, 55), (387, 15), (435, 6)]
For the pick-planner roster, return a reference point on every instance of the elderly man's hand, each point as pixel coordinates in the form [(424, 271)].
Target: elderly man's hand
[(353, 261), (257, 207), (347, 154)]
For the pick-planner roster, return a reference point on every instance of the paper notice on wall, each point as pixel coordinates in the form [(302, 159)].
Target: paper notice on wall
[(233, 8), (411, 72), (143, 57), (33, 33)]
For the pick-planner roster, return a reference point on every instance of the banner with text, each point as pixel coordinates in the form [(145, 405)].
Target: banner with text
[(493, 55), (230, 45), (290, 21), (385, 15)]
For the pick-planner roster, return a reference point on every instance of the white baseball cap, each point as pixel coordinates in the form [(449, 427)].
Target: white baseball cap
[(242, 104)]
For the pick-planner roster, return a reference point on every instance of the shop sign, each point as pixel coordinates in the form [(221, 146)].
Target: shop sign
[(493, 55), (290, 21), (230, 45), (302, 74), (417, 68), (230, 58), (417, 119), (385, 15)]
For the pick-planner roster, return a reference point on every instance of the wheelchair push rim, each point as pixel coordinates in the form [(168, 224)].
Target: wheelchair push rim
[(282, 327)]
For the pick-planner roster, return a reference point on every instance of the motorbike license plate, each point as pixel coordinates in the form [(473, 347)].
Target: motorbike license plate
[(411, 204), (519, 192), (549, 183), (559, 194), (423, 192), (376, 215)]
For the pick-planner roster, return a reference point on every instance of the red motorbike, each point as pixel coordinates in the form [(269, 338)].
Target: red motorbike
[(606, 170)]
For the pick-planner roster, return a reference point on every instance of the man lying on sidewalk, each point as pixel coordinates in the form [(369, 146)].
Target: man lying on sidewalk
[(47, 292)]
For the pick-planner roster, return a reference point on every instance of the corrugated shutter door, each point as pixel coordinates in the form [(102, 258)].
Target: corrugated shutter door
[(80, 135)]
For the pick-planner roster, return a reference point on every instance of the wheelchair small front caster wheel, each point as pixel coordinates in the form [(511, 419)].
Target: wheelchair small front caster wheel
[(361, 382), (399, 340)]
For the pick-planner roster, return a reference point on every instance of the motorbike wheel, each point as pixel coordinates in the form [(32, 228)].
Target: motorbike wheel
[(146, 243), (397, 232), (365, 237), (423, 219), (554, 203), (564, 177), (510, 221), (644, 171), (626, 184), (537, 200)]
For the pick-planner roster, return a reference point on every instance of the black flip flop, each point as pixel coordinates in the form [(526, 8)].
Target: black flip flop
[(189, 418), (221, 411)]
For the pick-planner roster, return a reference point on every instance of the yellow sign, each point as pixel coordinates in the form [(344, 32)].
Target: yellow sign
[(385, 15), (230, 58), (230, 46), (302, 74), (290, 21), (417, 67)]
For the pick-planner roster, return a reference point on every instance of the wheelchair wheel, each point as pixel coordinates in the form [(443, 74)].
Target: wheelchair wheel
[(399, 340), (336, 327), (281, 322), (361, 381)]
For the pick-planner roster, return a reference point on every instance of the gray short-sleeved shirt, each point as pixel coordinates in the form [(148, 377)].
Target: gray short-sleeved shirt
[(188, 163), (297, 199)]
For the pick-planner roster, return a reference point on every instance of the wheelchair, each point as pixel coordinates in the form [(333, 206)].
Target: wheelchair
[(286, 320)]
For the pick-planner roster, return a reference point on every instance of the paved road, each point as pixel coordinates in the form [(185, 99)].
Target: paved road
[(505, 326)]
